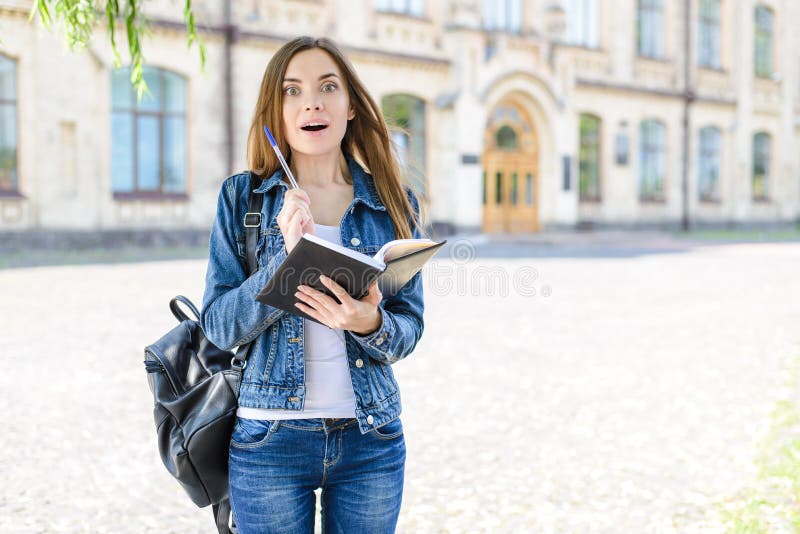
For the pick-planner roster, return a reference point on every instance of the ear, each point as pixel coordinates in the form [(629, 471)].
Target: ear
[(351, 113)]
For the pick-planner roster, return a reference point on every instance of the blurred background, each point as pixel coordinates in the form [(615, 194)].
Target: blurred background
[(611, 339), (516, 116)]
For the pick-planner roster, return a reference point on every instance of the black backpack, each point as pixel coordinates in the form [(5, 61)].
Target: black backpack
[(195, 385)]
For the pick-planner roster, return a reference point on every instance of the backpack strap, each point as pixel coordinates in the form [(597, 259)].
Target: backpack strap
[(252, 225), (222, 516)]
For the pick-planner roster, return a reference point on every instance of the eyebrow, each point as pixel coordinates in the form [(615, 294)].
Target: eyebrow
[(330, 74)]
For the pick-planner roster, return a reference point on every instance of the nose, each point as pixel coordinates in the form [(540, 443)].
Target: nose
[(314, 103)]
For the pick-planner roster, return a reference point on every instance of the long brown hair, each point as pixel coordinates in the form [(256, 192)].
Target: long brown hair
[(366, 138)]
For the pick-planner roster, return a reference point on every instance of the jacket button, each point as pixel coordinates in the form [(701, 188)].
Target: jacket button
[(355, 241), (379, 342), (359, 363), (370, 419)]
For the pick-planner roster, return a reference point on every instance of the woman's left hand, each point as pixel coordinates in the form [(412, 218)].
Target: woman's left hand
[(362, 317)]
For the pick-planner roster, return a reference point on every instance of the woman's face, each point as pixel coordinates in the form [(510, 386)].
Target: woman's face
[(316, 105)]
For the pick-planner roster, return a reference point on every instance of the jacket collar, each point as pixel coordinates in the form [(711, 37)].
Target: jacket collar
[(363, 185)]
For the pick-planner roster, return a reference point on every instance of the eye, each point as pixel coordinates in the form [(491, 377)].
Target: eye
[(328, 87), (291, 91)]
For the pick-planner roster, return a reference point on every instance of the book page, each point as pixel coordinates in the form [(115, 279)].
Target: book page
[(344, 250), (400, 247)]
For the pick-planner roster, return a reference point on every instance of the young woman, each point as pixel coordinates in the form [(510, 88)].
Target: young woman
[(319, 405)]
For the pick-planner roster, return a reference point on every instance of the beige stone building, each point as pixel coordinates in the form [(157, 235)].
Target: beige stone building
[(519, 115)]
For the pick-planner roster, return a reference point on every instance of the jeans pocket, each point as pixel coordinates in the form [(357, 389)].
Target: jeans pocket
[(391, 430), (252, 433)]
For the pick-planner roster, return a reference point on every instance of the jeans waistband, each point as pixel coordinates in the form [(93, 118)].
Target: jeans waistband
[(319, 423)]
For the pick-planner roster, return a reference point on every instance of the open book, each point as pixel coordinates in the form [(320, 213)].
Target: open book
[(393, 266)]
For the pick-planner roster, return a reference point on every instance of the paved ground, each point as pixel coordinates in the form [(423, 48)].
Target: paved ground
[(626, 395)]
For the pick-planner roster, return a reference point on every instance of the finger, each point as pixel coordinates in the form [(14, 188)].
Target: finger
[(374, 295), (295, 226), (298, 195), (299, 192), (296, 219), (323, 314), (290, 210), (311, 312), (286, 216), (292, 202), (340, 292), (305, 299), (306, 213), (309, 228), (320, 300)]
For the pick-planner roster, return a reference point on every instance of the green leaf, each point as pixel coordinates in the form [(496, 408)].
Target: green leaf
[(80, 16), (112, 12), (191, 28), (40, 6)]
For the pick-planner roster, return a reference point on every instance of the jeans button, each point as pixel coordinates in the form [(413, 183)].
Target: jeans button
[(370, 419), (355, 241), (359, 363)]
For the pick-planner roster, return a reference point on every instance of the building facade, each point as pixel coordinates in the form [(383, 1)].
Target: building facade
[(514, 115)]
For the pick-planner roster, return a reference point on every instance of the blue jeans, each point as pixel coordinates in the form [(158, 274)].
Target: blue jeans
[(275, 466)]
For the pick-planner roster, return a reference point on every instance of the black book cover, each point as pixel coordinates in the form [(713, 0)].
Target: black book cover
[(308, 259)]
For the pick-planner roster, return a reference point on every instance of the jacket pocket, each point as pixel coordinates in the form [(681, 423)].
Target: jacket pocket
[(388, 375), (270, 241)]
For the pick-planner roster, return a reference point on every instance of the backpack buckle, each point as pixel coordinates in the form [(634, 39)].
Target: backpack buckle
[(235, 364), (252, 219)]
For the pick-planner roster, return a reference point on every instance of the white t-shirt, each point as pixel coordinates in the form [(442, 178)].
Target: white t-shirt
[(329, 391)]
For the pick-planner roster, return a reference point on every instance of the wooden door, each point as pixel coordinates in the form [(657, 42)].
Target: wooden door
[(510, 172)]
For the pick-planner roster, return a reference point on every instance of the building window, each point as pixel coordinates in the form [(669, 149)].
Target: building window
[(502, 15), (583, 23), (650, 29), (415, 8), (762, 152), (708, 41), (506, 138), (652, 161), (708, 172), (406, 115), (589, 158), (763, 42), (148, 138), (529, 189), (514, 189), (621, 148), (9, 176)]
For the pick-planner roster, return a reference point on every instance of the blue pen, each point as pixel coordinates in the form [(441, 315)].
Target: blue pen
[(280, 158)]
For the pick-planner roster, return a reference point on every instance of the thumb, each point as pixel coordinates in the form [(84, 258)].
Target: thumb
[(374, 294)]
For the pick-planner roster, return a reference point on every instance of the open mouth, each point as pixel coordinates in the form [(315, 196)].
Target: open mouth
[(314, 127)]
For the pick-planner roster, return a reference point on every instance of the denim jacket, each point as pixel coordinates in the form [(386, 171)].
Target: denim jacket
[(275, 376)]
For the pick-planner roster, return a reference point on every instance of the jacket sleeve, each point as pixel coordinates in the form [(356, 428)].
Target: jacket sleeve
[(231, 316), (402, 317)]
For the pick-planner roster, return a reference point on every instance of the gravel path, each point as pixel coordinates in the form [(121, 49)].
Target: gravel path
[(627, 395)]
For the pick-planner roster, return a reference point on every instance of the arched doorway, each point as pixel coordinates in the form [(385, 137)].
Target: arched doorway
[(510, 171)]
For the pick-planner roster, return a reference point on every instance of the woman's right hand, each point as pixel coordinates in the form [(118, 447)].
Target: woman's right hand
[(295, 217)]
